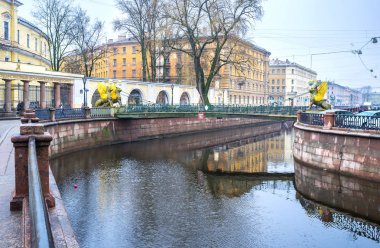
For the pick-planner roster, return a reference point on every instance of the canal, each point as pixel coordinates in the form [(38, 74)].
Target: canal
[(234, 188)]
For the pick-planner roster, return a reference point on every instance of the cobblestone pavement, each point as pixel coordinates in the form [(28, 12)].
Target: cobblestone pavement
[(10, 222)]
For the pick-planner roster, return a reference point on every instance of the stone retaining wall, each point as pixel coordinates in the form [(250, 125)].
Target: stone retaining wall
[(349, 152), (354, 195), (83, 134)]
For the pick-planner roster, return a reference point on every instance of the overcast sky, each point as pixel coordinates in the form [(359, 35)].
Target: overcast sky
[(295, 29)]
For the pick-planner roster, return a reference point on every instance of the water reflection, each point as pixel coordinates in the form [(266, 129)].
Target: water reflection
[(160, 194)]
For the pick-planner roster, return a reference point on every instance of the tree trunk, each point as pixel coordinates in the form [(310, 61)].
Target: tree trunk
[(144, 61)]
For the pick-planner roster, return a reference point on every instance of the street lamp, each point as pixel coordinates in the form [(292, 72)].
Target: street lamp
[(172, 86)]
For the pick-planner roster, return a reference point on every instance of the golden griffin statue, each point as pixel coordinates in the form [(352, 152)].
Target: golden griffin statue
[(317, 91), (109, 95)]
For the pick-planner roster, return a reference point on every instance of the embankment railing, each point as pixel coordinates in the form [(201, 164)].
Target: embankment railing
[(40, 225)]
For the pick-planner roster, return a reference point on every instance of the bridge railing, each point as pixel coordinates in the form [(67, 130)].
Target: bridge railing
[(357, 122), (249, 109), (70, 113), (312, 119), (100, 112), (40, 225), (348, 121)]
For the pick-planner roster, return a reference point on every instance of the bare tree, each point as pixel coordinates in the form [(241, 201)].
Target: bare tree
[(56, 19), (87, 47), (205, 29), (136, 24)]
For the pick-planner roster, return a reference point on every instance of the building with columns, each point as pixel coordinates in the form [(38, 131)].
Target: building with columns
[(33, 86)]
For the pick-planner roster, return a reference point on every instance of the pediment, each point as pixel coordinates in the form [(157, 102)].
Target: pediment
[(6, 15)]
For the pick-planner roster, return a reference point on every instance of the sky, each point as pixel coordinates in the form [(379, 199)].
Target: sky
[(299, 30)]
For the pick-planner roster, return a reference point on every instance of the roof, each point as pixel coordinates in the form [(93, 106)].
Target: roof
[(31, 26), (287, 63), (17, 3)]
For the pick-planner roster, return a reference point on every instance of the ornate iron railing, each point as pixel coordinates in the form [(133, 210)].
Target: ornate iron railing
[(357, 122), (249, 109), (70, 113), (40, 225), (43, 114), (312, 119), (100, 112)]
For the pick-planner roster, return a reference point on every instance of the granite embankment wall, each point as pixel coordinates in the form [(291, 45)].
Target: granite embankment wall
[(71, 136), (345, 151), (357, 196)]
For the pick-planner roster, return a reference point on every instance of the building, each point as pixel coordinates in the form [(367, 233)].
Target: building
[(25, 79), (246, 85), (342, 96), (289, 83), (21, 41)]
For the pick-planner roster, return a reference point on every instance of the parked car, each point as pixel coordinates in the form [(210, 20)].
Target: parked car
[(370, 120)]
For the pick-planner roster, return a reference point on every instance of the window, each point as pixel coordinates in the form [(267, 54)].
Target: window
[(6, 30), (124, 61), (283, 81), (18, 36), (292, 81), (133, 49), (6, 59), (114, 51), (278, 89), (235, 99), (133, 73), (272, 88), (278, 71), (45, 48), (283, 89), (124, 74), (273, 71), (114, 74), (292, 71), (272, 81), (35, 44), (28, 40), (114, 62), (278, 81), (133, 61), (283, 71), (124, 50)]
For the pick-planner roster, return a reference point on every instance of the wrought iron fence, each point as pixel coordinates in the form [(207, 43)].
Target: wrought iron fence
[(70, 113), (40, 226), (312, 119), (357, 122), (249, 109), (100, 112), (43, 114)]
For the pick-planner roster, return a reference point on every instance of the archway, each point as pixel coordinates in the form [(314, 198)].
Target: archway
[(135, 97), (185, 99), (95, 97), (162, 98)]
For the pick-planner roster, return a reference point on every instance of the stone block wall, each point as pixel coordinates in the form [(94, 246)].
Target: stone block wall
[(354, 195), (355, 153), (82, 134)]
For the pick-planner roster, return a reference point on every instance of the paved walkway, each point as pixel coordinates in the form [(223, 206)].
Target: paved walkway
[(10, 222)]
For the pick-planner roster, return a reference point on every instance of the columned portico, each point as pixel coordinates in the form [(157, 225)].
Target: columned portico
[(57, 94), (42, 94), (8, 95), (26, 94)]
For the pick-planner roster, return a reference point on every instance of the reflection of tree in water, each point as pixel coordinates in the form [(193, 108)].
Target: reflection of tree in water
[(338, 220)]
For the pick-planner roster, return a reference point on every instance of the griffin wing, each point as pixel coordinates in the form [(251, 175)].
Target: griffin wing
[(102, 89), (321, 91)]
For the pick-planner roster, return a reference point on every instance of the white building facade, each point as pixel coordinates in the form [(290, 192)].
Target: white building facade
[(342, 96), (290, 82)]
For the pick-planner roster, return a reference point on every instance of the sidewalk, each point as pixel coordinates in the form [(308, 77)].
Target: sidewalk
[(10, 222)]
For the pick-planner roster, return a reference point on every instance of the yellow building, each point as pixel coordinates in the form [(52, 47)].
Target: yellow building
[(25, 76), (244, 85)]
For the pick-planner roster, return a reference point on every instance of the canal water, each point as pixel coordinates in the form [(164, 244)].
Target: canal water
[(232, 188)]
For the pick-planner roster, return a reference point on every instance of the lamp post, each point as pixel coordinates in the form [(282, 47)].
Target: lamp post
[(172, 86)]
